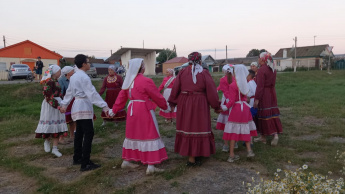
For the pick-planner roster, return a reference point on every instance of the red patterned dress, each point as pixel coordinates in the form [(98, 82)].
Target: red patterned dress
[(268, 112), (113, 84), (52, 123)]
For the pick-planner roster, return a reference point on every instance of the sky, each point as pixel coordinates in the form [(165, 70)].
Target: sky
[(95, 27)]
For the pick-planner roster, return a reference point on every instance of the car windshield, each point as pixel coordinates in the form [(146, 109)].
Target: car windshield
[(20, 66)]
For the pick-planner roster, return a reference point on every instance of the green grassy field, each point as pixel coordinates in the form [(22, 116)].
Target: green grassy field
[(312, 113)]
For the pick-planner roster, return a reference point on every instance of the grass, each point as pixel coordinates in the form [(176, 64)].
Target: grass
[(312, 112)]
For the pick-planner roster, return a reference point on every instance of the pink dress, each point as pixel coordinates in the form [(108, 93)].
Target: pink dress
[(240, 125), (167, 91), (142, 142), (223, 116)]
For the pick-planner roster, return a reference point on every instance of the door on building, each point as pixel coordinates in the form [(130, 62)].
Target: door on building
[(30, 64)]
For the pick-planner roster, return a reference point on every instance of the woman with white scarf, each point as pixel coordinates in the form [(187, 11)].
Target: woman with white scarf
[(167, 85), (142, 142), (194, 91), (52, 123), (240, 125)]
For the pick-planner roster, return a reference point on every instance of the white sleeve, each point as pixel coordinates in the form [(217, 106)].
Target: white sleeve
[(92, 94), (67, 98)]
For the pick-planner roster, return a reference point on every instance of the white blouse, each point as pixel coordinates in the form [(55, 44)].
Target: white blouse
[(251, 93), (85, 94)]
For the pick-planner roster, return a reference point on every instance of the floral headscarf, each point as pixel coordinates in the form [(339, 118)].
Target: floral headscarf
[(48, 74), (228, 68), (195, 59), (112, 67), (171, 71), (266, 58)]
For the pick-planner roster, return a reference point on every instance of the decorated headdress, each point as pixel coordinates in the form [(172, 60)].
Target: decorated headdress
[(254, 64), (48, 74), (267, 59), (195, 59), (171, 71), (133, 70)]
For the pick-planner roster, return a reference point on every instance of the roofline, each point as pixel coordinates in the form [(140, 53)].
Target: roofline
[(28, 41), (305, 46)]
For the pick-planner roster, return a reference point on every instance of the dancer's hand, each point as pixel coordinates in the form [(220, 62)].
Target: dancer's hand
[(111, 113), (62, 109), (256, 103), (105, 110), (172, 108)]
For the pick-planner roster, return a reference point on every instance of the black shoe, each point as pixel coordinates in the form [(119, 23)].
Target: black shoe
[(191, 164), (77, 162), (90, 166)]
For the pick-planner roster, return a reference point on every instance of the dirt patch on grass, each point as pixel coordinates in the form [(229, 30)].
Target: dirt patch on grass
[(21, 151), (114, 151), (14, 182), (23, 138), (313, 121), (308, 137), (314, 155), (60, 169), (336, 140), (212, 177)]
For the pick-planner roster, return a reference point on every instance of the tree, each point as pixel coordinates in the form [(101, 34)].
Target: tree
[(255, 52), (165, 55)]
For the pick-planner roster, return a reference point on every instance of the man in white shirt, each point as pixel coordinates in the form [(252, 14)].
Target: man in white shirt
[(251, 86), (85, 95)]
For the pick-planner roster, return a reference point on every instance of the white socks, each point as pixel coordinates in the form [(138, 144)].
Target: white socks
[(151, 167)]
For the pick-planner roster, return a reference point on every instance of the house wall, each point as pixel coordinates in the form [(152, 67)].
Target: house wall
[(149, 60), (170, 65), (282, 64), (8, 61)]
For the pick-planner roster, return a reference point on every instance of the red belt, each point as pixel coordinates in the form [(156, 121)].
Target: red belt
[(191, 92)]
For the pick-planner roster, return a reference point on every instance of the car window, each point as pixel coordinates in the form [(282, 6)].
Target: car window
[(91, 65), (20, 66)]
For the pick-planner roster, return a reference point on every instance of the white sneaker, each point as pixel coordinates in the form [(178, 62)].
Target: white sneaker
[(56, 152), (250, 154), (103, 124), (236, 145), (47, 146), (274, 141), (129, 165), (150, 171), (225, 148)]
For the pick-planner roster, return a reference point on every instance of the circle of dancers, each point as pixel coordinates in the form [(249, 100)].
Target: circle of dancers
[(247, 108)]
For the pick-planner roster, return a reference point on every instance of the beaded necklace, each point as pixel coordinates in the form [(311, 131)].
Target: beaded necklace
[(111, 79)]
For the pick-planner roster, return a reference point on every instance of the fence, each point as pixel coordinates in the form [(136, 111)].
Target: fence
[(3, 75)]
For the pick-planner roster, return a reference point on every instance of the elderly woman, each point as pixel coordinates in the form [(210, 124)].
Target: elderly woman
[(266, 100), (142, 142), (67, 72), (52, 123), (112, 83), (194, 92), (255, 68), (167, 84)]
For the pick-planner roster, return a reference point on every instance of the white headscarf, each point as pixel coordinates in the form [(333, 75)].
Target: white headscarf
[(48, 74), (112, 67), (241, 73), (254, 63), (228, 69), (171, 71), (65, 70), (133, 70), (198, 69)]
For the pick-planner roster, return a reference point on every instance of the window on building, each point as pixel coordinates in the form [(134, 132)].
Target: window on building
[(2, 66), (278, 63), (27, 51)]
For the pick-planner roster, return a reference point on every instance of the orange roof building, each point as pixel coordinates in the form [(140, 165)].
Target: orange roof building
[(174, 62), (26, 52)]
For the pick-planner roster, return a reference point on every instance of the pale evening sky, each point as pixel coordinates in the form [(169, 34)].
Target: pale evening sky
[(95, 27)]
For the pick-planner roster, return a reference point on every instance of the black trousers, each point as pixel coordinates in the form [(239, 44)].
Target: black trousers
[(83, 141)]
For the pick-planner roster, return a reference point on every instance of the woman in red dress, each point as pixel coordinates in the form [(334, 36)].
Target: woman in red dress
[(194, 92), (112, 83), (167, 84), (266, 100)]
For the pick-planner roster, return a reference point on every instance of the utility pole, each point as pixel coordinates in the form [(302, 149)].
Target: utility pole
[(111, 52), (226, 49), (143, 44), (295, 39), (4, 41), (215, 53), (314, 40)]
